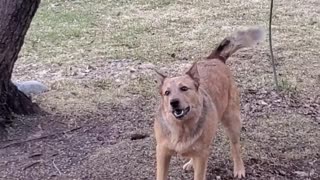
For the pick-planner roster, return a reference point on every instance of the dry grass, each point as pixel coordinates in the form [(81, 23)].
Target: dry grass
[(73, 33)]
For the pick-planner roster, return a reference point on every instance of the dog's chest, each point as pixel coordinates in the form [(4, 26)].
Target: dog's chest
[(186, 147)]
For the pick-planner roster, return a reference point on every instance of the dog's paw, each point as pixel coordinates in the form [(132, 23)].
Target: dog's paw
[(239, 172), (188, 166)]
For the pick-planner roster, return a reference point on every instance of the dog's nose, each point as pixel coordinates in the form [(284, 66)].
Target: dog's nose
[(174, 103)]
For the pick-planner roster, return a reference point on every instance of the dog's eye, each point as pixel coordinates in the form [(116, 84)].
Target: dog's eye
[(166, 93), (184, 88)]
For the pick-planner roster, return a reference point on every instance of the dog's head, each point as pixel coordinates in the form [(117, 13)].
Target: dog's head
[(180, 94)]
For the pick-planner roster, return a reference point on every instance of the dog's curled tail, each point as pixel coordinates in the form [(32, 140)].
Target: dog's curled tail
[(236, 41)]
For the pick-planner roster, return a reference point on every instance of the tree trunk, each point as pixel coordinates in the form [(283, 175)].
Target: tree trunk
[(15, 19)]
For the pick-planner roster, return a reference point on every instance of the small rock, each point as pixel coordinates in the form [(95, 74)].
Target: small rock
[(31, 87), (133, 76), (247, 107), (262, 102)]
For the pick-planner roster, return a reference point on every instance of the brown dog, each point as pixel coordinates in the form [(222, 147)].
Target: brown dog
[(192, 105)]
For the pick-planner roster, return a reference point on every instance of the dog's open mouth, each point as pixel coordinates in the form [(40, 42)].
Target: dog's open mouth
[(179, 113)]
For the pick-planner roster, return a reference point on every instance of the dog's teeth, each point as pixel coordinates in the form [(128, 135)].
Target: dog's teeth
[(179, 113)]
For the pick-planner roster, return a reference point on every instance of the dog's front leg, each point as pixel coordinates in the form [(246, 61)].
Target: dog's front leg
[(163, 161), (200, 166)]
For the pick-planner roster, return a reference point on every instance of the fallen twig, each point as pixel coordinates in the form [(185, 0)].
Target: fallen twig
[(39, 138), (31, 164), (55, 166), (35, 155)]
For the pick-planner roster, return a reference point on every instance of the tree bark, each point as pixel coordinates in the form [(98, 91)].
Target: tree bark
[(15, 19)]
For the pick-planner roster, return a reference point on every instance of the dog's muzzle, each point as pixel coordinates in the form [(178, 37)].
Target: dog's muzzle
[(180, 113)]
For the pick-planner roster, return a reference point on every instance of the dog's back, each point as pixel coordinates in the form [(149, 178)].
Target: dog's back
[(216, 80), (215, 76)]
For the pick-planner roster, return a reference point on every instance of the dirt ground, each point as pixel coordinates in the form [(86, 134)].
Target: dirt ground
[(97, 59)]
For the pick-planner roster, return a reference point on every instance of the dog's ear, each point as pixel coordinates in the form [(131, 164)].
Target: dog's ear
[(160, 79), (194, 74)]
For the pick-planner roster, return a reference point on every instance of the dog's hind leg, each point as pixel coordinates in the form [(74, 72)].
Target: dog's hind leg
[(188, 166), (232, 123)]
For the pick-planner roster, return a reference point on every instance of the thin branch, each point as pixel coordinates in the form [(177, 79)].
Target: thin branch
[(38, 138), (275, 75), (55, 166), (31, 165)]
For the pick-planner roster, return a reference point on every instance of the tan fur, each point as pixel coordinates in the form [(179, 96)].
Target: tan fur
[(209, 90)]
